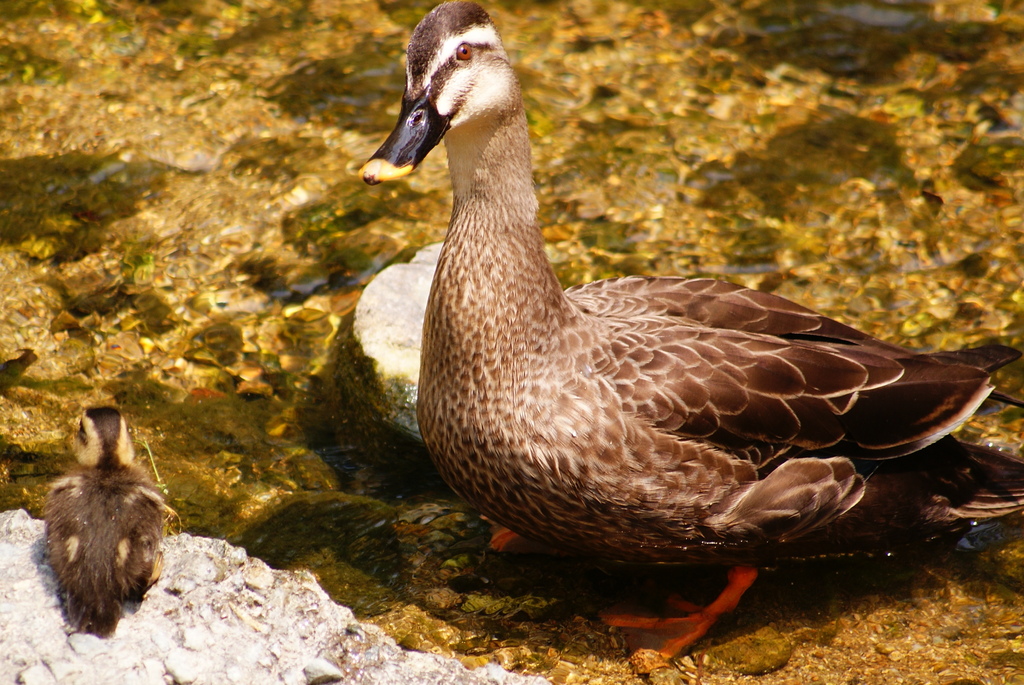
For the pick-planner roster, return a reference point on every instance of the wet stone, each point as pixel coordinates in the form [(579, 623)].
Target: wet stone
[(442, 598), (1008, 658), (532, 607), (648, 661), (388, 326), (360, 529), (1006, 562), (413, 628), (667, 676), (760, 652)]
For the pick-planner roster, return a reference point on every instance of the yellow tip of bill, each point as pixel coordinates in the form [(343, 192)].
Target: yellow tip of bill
[(377, 170)]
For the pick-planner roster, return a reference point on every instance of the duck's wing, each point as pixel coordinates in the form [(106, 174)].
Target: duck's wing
[(788, 391), (797, 411), (727, 306), (763, 395), (715, 304), (143, 562)]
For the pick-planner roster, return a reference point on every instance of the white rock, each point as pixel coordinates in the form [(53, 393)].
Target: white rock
[(389, 315), (86, 645), (321, 671), (36, 675), (183, 665), (389, 327), (298, 626)]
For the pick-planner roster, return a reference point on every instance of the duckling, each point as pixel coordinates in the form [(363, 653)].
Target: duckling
[(660, 419), (104, 524)]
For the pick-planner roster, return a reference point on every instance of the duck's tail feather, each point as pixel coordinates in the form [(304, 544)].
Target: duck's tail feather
[(1005, 399), (1000, 478), (986, 357)]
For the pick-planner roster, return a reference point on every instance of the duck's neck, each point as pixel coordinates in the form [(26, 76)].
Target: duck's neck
[(494, 260), (490, 168)]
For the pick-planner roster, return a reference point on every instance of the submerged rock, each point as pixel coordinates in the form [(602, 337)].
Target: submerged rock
[(348, 541), (389, 327), (389, 316), (1005, 563), (375, 364), (762, 651), (215, 616)]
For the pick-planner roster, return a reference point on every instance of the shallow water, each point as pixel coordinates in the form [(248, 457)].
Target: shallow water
[(183, 234)]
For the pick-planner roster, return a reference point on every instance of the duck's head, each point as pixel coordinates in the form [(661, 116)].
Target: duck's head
[(457, 75), (103, 441)]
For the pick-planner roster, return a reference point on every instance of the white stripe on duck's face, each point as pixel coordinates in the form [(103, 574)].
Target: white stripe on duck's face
[(472, 92), (463, 87), (480, 36)]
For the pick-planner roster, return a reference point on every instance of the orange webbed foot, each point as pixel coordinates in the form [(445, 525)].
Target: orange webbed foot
[(504, 540), (669, 635)]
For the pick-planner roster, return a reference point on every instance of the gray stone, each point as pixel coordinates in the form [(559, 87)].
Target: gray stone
[(760, 652), (36, 675), (204, 622), (321, 671), (389, 328), (86, 644), (259, 578), (64, 671), (389, 315), (183, 665)]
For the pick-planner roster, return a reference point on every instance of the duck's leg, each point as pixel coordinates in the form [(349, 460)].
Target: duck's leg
[(504, 540), (669, 635)]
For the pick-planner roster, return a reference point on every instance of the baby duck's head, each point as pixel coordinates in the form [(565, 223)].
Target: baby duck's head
[(102, 440)]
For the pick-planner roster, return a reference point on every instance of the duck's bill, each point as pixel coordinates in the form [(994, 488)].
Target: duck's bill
[(419, 129)]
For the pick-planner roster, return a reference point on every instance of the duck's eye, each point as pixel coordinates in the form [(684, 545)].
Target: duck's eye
[(464, 52)]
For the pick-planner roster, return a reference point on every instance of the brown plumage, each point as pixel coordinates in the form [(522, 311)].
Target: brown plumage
[(659, 419), (104, 524)]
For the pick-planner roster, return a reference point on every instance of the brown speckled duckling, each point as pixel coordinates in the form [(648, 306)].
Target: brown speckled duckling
[(660, 419), (104, 524)]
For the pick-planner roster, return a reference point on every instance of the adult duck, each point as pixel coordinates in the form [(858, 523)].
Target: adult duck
[(660, 419)]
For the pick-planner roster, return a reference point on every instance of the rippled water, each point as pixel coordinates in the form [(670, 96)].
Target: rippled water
[(183, 234)]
